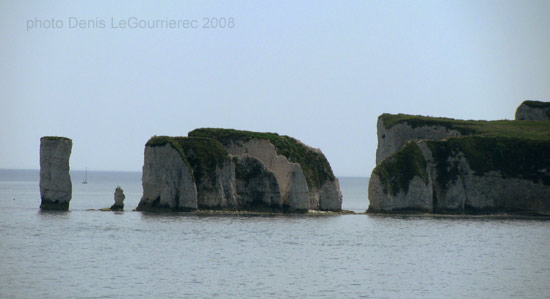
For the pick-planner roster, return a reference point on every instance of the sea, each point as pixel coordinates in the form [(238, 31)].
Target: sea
[(87, 253)]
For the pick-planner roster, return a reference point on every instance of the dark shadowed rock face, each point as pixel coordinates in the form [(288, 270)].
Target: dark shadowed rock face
[(257, 186), (533, 110), (55, 180), (305, 178), (291, 181)]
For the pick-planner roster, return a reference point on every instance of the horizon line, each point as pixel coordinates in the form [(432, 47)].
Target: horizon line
[(104, 170)]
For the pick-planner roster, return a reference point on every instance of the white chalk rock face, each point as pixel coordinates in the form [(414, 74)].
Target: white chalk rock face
[(446, 183), (289, 176), (220, 193), (392, 139), (533, 110), (297, 197), (407, 190), (55, 180), (416, 198), (470, 191), (294, 189), (330, 196), (167, 181)]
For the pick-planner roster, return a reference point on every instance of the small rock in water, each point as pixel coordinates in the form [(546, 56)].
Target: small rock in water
[(119, 200)]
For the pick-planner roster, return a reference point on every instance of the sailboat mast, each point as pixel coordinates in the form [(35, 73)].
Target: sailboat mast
[(85, 177)]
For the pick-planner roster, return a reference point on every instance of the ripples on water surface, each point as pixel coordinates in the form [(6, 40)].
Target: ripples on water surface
[(85, 254)]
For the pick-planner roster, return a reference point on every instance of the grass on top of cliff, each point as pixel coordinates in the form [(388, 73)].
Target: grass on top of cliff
[(202, 155), (536, 104), (314, 164), (397, 171), (502, 128), (523, 158), (55, 138)]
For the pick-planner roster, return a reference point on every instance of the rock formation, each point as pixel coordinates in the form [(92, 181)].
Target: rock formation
[(401, 183), (289, 176), (502, 166), (186, 174), (167, 179), (304, 176), (533, 110), (240, 170), (55, 180), (396, 130), (119, 200)]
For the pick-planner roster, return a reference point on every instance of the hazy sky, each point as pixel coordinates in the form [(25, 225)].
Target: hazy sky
[(318, 71)]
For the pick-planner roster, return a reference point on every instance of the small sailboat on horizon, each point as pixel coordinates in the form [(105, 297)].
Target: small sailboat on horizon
[(85, 177)]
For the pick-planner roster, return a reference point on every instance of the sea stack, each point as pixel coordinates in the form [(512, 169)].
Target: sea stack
[(119, 200), (55, 180), (236, 170)]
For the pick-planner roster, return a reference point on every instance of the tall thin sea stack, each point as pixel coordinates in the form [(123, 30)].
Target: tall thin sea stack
[(55, 180)]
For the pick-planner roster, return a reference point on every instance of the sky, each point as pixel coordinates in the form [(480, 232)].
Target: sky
[(319, 71)]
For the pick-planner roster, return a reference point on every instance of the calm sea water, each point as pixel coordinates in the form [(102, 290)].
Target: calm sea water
[(91, 254)]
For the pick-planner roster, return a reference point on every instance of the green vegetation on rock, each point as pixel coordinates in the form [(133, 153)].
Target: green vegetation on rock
[(55, 138), (314, 164), (396, 171), (523, 158), (202, 155), (536, 104), (502, 128), (516, 149), (163, 140)]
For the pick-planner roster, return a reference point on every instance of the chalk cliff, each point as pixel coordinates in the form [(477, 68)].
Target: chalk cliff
[(533, 110), (239, 170), (167, 178), (395, 130), (289, 176), (401, 183), (55, 180), (304, 176), (502, 166)]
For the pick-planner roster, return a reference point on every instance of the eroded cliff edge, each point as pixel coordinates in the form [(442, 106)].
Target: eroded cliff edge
[(489, 167), (533, 110), (237, 170)]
